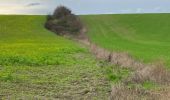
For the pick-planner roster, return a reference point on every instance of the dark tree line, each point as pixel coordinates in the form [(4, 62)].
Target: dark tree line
[(64, 22)]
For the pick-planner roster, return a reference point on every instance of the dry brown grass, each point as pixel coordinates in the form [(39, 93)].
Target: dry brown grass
[(156, 73), (121, 59), (124, 60), (122, 92), (100, 53), (142, 72)]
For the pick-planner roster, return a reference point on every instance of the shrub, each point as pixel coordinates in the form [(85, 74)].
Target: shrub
[(63, 22), (61, 11)]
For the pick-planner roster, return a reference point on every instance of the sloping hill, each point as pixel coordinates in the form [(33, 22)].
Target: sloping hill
[(145, 36), (38, 64), (24, 40)]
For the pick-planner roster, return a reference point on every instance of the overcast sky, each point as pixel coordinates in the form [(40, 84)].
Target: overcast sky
[(84, 6)]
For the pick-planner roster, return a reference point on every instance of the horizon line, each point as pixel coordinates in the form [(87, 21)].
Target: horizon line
[(98, 13)]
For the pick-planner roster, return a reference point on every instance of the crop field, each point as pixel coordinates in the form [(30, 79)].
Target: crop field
[(38, 64), (23, 40), (144, 36)]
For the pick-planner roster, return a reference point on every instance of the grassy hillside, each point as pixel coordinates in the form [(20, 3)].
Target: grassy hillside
[(37, 64), (24, 40), (145, 36)]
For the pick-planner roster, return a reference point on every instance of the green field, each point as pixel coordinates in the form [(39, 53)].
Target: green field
[(36, 63), (144, 36), (24, 40)]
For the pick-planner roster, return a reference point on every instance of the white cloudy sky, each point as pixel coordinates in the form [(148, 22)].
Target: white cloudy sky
[(84, 6)]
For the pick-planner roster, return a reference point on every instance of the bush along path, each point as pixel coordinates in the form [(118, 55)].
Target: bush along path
[(64, 22), (145, 81)]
